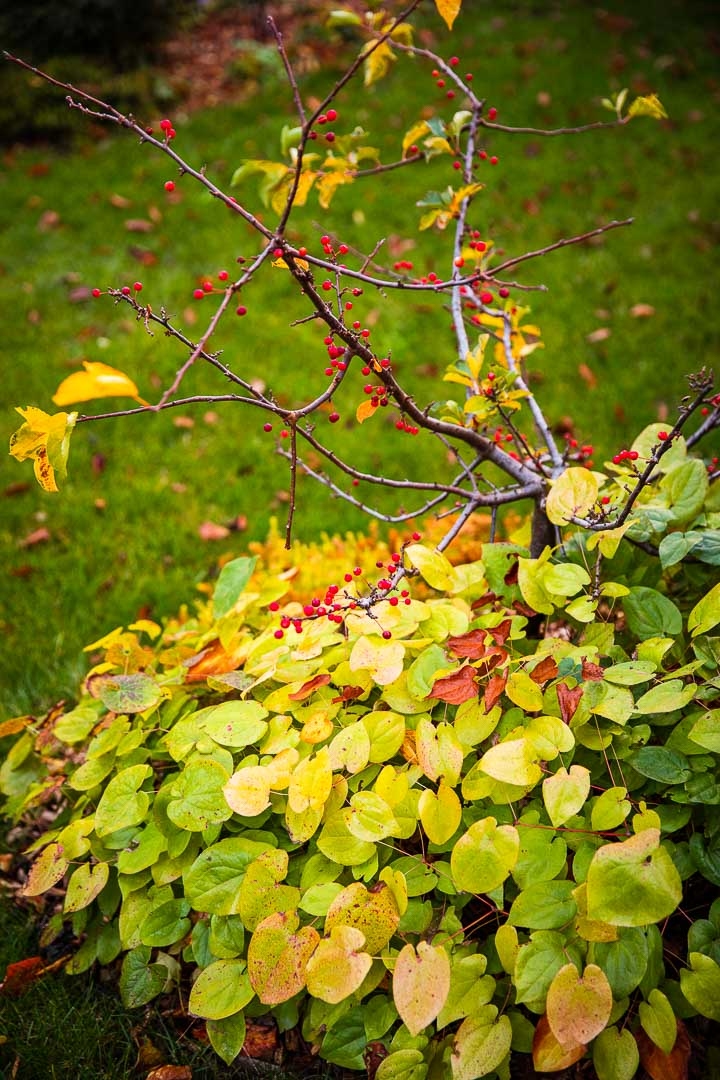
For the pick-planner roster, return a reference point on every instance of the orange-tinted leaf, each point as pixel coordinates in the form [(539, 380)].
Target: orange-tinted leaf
[(307, 688), (349, 693), (19, 977), (548, 1054), (209, 530), (17, 723), (592, 672), (364, 411), (455, 688), (449, 10), (501, 632), (568, 700), (170, 1072), (578, 1006), (545, 670), (661, 1066), (213, 660)]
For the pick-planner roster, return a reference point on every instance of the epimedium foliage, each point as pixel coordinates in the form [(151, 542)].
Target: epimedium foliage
[(396, 815), (454, 842)]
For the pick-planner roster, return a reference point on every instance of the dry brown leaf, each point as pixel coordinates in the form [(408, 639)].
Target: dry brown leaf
[(138, 225), (209, 530), (37, 536), (587, 375), (642, 311)]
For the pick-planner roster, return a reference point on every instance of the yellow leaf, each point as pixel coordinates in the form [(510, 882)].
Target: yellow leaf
[(364, 411), (448, 10), (44, 439), (97, 381), (280, 264), (383, 661), (247, 792), (512, 762), (650, 105), (416, 132), (377, 63), (461, 194), (311, 783), (433, 566), (573, 493), (328, 184)]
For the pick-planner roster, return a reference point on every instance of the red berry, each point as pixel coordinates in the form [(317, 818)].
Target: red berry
[(279, 634), (327, 285), (273, 606), (454, 61), (387, 635), (605, 500), (96, 293), (241, 310), (440, 84), (493, 160), (223, 275), (137, 286), (416, 536), (486, 298), (284, 434), (330, 137), (267, 427), (324, 240), (343, 249), (413, 149), (207, 286), (492, 114), (198, 294), (450, 95), (662, 435), (457, 165), (125, 290), (504, 292), (331, 115), (322, 118), (169, 185), (334, 417), (166, 125)]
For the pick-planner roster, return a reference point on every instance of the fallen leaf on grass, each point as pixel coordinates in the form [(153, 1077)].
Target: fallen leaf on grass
[(170, 1072), (642, 311), (186, 422), (209, 530), (138, 225), (37, 536), (587, 375), (119, 201), (601, 334), (19, 487)]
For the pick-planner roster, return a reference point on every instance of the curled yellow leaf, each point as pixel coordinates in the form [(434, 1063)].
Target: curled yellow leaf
[(97, 381), (45, 440)]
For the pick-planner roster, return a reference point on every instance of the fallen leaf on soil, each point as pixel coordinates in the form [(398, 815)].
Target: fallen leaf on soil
[(170, 1072)]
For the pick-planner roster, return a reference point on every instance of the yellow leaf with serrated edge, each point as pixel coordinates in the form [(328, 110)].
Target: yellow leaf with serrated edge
[(45, 440), (97, 381), (364, 411), (377, 62), (649, 105), (448, 10)]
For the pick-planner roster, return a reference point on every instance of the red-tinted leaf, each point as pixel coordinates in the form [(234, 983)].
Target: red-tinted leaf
[(471, 646), (500, 633), (511, 577), (591, 672), (568, 700), (455, 688), (661, 1066), (548, 1054), (494, 689), (210, 531), (349, 693), (37, 536), (307, 688), (21, 976), (493, 656), (545, 670)]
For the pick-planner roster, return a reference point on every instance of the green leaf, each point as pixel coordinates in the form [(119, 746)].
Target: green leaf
[(484, 856), (615, 1054), (233, 723), (706, 613), (658, 1020), (220, 990), (470, 988), (624, 961), (700, 983), (610, 809), (440, 813), (666, 697), (212, 884), (227, 1036), (706, 731), (536, 966), (127, 693), (345, 1042), (140, 981), (650, 614), (630, 673), (231, 583), (434, 567), (197, 796), (46, 871), (512, 762), (402, 1065), (659, 763), (686, 488), (546, 905), (633, 883), (573, 493), (122, 804), (166, 924), (481, 1044)]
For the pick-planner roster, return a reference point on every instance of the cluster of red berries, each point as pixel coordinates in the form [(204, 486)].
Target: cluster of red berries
[(328, 248), (403, 264), (377, 394), (328, 117), (167, 129), (476, 244), (409, 429), (126, 290), (484, 156), (625, 455), (330, 608)]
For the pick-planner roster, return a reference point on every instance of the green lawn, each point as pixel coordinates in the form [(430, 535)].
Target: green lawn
[(123, 533)]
